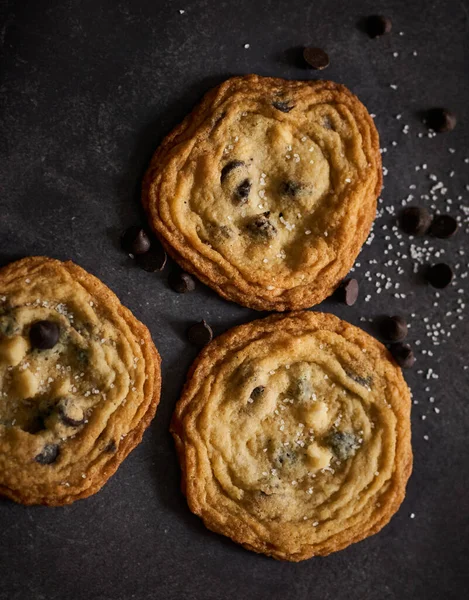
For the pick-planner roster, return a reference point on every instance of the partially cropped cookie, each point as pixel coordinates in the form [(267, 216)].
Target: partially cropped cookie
[(268, 189), (293, 435), (79, 382)]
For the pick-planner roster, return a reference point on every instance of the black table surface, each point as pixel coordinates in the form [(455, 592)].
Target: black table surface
[(88, 90)]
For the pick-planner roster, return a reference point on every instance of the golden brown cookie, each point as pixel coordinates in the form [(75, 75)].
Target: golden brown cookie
[(79, 382), (267, 190), (293, 434)]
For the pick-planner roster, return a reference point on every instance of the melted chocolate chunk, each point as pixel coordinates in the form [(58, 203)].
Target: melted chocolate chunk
[(69, 413), (234, 164), (343, 444), (285, 458), (44, 335), (364, 381), (241, 194), (48, 455), (290, 188), (261, 227), (111, 446), (284, 106), (257, 392)]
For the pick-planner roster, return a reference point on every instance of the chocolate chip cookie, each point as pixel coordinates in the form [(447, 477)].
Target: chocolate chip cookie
[(79, 382), (267, 190), (293, 434)]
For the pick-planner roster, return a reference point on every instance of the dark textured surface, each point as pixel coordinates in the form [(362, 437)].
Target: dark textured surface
[(88, 89)]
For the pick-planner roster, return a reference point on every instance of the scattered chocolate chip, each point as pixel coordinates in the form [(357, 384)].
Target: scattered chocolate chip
[(70, 414), (440, 275), (44, 335), (242, 192), (443, 226), (261, 227), (135, 241), (377, 25), (290, 188), (316, 58), (200, 334), (403, 355), (181, 282), (110, 447), (342, 443), (393, 329), (48, 455), (440, 120), (283, 106), (347, 292), (154, 260), (415, 220), (257, 392), (234, 164)]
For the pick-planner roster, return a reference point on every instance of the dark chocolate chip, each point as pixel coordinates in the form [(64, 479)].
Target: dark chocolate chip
[(443, 226), (342, 443), (415, 220), (242, 192), (135, 241), (316, 58), (181, 282), (200, 334), (364, 381), (110, 447), (257, 392), (234, 164), (403, 355), (347, 292), (154, 260), (290, 188), (377, 25), (69, 413), (262, 228), (440, 120), (48, 455), (283, 106), (393, 329), (440, 275), (44, 335)]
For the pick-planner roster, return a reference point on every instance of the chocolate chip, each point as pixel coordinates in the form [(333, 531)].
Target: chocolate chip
[(283, 106), (440, 275), (234, 164), (242, 192), (377, 25), (135, 241), (364, 381), (393, 329), (316, 58), (261, 227), (403, 355), (347, 292), (200, 334), (70, 414), (440, 120), (257, 392), (415, 220), (342, 443), (181, 282), (154, 260), (290, 188), (110, 447), (48, 455), (443, 226), (44, 335)]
